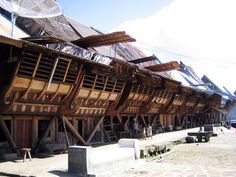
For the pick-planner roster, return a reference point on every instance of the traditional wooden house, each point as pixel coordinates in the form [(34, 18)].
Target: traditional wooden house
[(56, 91)]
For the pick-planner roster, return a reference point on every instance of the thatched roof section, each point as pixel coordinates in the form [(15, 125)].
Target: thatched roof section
[(57, 27)]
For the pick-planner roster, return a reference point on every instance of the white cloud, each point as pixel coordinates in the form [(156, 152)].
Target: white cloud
[(204, 30)]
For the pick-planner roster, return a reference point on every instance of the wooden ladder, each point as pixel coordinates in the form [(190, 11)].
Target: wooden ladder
[(109, 132)]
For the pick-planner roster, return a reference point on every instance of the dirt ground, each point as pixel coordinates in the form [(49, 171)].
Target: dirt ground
[(211, 159)]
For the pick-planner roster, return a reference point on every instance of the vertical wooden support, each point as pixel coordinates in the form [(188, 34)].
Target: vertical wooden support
[(191, 121), (73, 130), (65, 131), (120, 120), (34, 131), (53, 131), (95, 129), (179, 122), (7, 134), (154, 120), (111, 121), (45, 134), (142, 117), (184, 122), (75, 124)]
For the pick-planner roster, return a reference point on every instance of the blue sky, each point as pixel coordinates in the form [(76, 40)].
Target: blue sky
[(106, 15)]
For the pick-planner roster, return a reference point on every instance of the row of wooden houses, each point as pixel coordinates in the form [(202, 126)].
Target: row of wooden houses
[(70, 84)]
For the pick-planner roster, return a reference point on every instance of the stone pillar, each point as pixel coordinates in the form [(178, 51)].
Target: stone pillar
[(80, 160)]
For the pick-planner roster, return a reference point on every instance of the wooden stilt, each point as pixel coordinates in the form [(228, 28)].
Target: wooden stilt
[(94, 130), (74, 131), (8, 135)]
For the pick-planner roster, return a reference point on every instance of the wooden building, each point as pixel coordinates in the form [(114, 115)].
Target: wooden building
[(52, 97)]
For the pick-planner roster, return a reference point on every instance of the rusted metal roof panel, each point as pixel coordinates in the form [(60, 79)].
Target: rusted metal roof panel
[(85, 31), (57, 27)]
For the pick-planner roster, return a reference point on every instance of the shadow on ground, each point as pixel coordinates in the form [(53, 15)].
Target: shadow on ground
[(62, 173), (12, 175)]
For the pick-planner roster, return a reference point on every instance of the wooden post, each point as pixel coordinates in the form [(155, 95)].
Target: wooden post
[(95, 129), (154, 120), (65, 131), (73, 130), (120, 120), (45, 134), (34, 131), (142, 117), (8, 135), (183, 122)]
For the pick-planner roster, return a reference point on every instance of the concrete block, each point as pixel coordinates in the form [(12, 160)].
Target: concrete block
[(80, 160), (208, 127), (134, 143)]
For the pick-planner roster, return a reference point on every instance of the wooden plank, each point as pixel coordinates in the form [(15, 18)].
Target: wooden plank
[(73, 130), (95, 129), (7, 134), (103, 39), (142, 60), (169, 66)]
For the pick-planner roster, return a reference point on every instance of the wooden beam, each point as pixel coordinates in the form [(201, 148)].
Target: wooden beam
[(74, 131), (169, 66), (142, 60), (103, 39), (8, 136), (45, 134), (94, 130)]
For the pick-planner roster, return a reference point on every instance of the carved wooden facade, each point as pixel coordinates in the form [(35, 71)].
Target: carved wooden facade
[(50, 97)]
